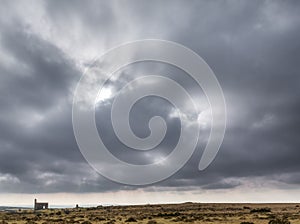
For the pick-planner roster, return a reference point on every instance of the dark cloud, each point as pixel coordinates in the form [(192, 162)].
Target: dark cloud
[(252, 46)]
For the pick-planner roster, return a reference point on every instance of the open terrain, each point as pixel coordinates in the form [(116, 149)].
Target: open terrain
[(169, 213)]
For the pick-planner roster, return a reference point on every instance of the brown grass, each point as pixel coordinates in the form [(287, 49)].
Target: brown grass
[(155, 214)]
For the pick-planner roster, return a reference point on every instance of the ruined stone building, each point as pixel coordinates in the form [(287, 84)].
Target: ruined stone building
[(40, 205)]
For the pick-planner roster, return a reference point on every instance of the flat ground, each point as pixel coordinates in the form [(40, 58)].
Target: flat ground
[(171, 213)]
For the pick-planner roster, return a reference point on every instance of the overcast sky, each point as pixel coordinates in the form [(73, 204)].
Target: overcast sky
[(253, 48)]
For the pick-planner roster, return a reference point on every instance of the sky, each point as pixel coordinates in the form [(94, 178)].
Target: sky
[(253, 48)]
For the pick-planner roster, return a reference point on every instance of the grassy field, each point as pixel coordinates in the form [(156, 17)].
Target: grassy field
[(171, 213)]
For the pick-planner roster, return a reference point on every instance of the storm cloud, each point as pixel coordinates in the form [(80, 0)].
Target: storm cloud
[(252, 46)]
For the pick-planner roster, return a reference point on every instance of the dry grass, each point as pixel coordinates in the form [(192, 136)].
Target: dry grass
[(155, 214)]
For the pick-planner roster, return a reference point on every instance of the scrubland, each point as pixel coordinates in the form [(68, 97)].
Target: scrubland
[(167, 213)]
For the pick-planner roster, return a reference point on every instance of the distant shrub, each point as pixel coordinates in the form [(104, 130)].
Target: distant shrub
[(260, 210), (57, 220), (172, 214), (131, 219), (247, 222), (279, 221), (152, 222), (246, 207), (91, 208), (110, 222), (58, 213)]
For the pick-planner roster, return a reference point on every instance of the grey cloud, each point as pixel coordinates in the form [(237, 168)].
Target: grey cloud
[(252, 46)]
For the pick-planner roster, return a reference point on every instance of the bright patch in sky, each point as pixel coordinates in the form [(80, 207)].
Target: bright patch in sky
[(104, 94)]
